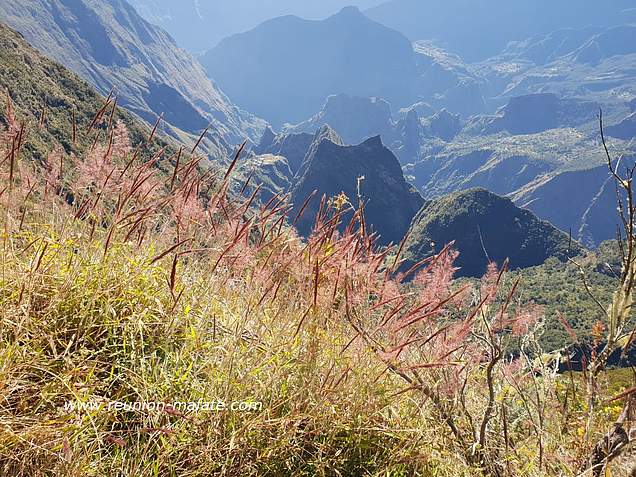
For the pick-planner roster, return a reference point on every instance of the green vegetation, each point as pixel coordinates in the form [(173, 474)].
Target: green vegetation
[(143, 292), (560, 288), (109, 45), (484, 227)]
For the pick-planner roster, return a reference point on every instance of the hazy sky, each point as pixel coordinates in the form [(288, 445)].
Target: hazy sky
[(199, 24)]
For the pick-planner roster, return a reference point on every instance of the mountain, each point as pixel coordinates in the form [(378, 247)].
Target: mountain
[(626, 129), (444, 125), (355, 118), (269, 171), (331, 169), (298, 63), (559, 174), (484, 227), (35, 83), (291, 146), (107, 43), (198, 25), (596, 64), (446, 81), (477, 30)]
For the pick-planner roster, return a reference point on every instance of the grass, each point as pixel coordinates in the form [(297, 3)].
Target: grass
[(125, 282)]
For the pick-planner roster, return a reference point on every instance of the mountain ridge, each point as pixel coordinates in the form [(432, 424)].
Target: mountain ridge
[(300, 62), (368, 169)]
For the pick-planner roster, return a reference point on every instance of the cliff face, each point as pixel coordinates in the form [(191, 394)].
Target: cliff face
[(583, 202), (292, 146), (355, 118), (535, 113), (484, 227), (625, 129), (332, 169)]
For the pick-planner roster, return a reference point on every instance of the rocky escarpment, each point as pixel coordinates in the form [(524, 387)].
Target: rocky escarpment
[(626, 129), (535, 113), (583, 202), (357, 119), (291, 146)]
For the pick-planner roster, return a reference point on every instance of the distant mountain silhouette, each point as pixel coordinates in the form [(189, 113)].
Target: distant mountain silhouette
[(477, 30), (284, 69), (200, 24), (534, 113)]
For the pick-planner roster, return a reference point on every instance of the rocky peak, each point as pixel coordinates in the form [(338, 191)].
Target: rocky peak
[(350, 12), (326, 132), (266, 142), (332, 169)]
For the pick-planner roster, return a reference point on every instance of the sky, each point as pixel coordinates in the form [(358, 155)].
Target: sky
[(198, 25)]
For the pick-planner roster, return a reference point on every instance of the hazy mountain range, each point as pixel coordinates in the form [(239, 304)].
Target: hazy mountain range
[(477, 30), (300, 62)]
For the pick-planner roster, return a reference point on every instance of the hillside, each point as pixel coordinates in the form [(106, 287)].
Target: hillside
[(108, 44), (159, 344), (36, 84), (558, 286), (300, 62), (484, 227), (591, 197), (595, 64)]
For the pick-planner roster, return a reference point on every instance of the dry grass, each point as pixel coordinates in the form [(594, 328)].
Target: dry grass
[(120, 283)]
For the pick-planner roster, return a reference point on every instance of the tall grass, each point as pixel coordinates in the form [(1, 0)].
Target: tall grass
[(124, 282)]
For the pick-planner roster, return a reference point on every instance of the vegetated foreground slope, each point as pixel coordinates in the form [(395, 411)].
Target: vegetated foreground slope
[(126, 292), (108, 44)]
